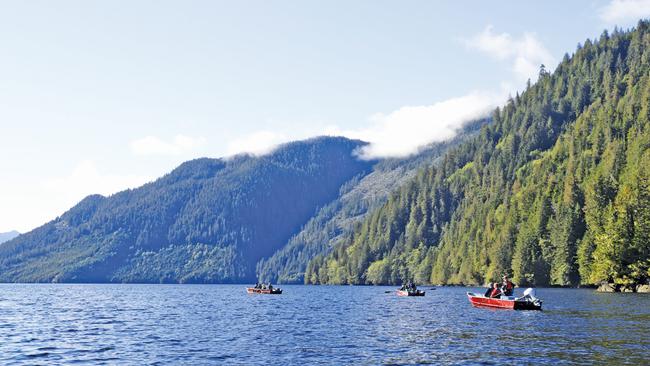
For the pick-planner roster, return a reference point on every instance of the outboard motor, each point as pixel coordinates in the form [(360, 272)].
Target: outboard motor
[(529, 295), (530, 292)]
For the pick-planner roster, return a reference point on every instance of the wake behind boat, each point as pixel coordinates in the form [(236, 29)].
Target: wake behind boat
[(526, 302)]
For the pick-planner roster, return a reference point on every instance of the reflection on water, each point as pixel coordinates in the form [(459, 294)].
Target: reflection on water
[(208, 324)]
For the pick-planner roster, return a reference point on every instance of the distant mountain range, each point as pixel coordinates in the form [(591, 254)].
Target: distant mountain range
[(209, 220), (8, 236), (553, 189), (217, 220)]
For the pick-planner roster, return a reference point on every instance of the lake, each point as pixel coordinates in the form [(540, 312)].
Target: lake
[(221, 324)]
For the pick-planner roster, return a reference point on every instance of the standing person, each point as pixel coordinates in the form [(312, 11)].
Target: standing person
[(507, 287)]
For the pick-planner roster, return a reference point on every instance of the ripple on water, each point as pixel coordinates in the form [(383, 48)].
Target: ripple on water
[(167, 324)]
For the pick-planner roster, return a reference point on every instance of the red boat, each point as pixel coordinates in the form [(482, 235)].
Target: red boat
[(526, 302), (266, 291), (410, 293)]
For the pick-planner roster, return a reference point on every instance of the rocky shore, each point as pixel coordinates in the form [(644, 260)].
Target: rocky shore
[(614, 287)]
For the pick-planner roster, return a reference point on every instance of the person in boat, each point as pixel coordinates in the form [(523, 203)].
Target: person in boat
[(496, 291), (411, 286), (507, 287), (270, 287), (488, 292)]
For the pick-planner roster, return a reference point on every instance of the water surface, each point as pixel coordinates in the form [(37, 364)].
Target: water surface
[(221, 324)]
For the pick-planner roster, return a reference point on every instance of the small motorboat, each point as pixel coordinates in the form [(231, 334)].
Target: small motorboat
[(410, 293), (526, 302), (266, 291)]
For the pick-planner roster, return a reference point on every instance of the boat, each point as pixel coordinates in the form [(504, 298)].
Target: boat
[(266, 291), (526, 302), (410, 293)]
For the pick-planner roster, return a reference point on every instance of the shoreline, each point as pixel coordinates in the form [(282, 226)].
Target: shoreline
[(601, 288)]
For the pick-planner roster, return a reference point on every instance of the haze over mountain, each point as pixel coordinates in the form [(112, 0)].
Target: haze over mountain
[(8, 236)]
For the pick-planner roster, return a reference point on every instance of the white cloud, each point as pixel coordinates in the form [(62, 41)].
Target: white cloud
[(152, 145), (265, 141), (28, 205), (526, 53), (402, 132), (85, 179), (257, 143), (406, 130), (625, 10)]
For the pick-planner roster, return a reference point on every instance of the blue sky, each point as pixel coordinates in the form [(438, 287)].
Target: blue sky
[(103, 96)]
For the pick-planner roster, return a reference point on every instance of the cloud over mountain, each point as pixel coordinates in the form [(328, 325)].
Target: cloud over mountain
[(525, 53), (625, 10), (403, 131)]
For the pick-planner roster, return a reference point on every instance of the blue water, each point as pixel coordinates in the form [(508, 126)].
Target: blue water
[(221, 324)]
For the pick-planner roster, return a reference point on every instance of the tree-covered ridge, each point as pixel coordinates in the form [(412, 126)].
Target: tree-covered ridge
[(555, 191), (337, 220), (209, 220)]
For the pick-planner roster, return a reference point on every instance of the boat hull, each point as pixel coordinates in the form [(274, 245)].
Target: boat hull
[(514, 304), (411, 293), (252, 290)]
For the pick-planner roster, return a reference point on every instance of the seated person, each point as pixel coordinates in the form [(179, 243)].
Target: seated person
[(488, 292), (496, 291)]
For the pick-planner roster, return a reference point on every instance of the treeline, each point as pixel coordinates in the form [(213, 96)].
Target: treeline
[(555, 191)]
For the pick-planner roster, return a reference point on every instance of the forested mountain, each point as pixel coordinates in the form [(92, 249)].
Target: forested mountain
[(337, 220), (209, 220), (556, 190), (8, 236)]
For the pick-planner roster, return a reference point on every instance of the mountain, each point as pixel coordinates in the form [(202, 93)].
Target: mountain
[(8, 236), (337, 220), (555, 191), (209, 220)]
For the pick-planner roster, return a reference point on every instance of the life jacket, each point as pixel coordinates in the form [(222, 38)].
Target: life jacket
[(495, 292)]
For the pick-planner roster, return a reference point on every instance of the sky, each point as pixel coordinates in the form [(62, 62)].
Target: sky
[(101, 96)]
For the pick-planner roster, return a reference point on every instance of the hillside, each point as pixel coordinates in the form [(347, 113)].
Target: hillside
[(8, 236), (555, 191), (209, 220), (338, 219)]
